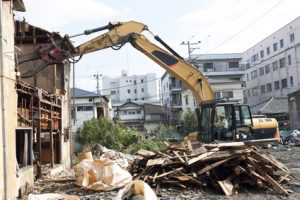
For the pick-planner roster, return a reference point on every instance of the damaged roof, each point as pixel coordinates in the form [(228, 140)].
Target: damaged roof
[(277, 105)]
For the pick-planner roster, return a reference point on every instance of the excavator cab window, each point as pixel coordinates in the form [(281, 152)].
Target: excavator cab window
[(243, 123)]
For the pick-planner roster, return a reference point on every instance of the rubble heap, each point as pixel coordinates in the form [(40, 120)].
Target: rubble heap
[(224, 166)]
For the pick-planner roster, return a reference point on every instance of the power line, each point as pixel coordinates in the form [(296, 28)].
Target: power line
[(247, 26)]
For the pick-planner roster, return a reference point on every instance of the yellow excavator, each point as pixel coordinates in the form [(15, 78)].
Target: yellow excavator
[(239, 125)]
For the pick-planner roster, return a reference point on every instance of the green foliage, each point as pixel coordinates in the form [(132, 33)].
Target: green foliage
[(107, 133), (117, 136), (189, 123)]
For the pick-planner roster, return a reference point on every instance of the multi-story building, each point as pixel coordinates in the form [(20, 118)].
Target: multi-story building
[(171, 89), (136, 88), (225, 76), (273, 65)]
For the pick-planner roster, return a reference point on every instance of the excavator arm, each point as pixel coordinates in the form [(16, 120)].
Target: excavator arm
[(121, 33)]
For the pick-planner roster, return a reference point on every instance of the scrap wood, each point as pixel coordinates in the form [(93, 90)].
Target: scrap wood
[(179, 157), (227, 187), (146, 153), (157, 161)]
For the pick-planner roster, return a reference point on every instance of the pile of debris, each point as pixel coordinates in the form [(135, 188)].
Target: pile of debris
[(224, 166)]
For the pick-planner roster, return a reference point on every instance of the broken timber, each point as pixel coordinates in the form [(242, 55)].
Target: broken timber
[(224, 166)]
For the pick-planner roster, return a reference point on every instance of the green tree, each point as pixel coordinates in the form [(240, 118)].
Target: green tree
[(189, 123), (107, 133)]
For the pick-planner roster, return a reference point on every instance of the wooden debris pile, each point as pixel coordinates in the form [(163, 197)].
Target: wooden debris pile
[(225, 166)]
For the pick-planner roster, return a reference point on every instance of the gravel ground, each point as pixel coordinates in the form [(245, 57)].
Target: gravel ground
[(290, 156)]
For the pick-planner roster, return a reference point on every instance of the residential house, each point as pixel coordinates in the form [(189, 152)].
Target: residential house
[(143, 117), (85, 106)]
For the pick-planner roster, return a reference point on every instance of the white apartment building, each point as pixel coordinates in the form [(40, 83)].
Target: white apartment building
[(223, 88), (225, 76), (273, 65), (135, 88)]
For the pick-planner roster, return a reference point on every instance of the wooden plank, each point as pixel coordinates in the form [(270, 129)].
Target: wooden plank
[(190, 147), (146, 153), (179, 157), (227, 187), (158, 161), (200, 157), (275, 185), (209, 167), (170, 172)]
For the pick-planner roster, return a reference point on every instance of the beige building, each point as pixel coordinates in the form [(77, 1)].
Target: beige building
[(223, 89)]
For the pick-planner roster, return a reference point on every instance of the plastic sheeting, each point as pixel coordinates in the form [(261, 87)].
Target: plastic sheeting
[(102, 174), (138, 189)]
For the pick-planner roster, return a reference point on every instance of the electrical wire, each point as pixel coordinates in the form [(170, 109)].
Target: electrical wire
[(247, 26)]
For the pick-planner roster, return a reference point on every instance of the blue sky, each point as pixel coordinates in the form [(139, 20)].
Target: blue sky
[(222, 26)]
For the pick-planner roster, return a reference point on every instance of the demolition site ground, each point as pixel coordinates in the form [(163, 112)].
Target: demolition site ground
[(288, 155)]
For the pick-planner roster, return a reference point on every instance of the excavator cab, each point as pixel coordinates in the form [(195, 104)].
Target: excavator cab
[(224, 121)]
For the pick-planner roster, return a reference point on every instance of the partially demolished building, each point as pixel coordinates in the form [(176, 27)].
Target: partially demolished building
[(35, 118)]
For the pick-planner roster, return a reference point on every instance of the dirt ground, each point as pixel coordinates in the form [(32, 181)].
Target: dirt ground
[(290, 156)]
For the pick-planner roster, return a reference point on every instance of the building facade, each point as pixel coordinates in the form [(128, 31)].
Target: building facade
[(225, 76), (273, 65), (136, 88), (143, 117), (85, 106)]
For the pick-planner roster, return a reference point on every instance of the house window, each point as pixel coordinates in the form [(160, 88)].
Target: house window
[(186, 100), (112, 83), (261, 71), (208, 66), (275, 47), (276, 85), (267, 69), (275, 65), (233, 64), (254, 74), (269, 87), (135, 99), (217, 95), (142, 90), (254, 58), (227, 94), (282, 62), (84, 108), (135, 91), (281, 43), (112, 92), (134, 82), (249, 94), (90, 100), (138, 112), (292, 37), (263, 89), (262, 53), (143, 98), (128, 91), (284, 83), (142, 80), (254, 91), (289, 60), (291, 81), (268, 50)]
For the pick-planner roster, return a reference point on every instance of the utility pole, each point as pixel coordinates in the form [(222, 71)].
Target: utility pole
[(190, 48), (97, 77)]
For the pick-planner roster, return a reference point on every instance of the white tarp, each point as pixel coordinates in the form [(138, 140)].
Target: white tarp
[(102, 174), (138, 189)]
